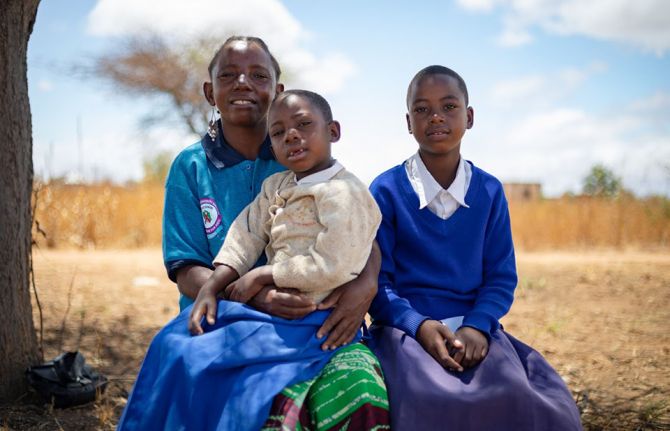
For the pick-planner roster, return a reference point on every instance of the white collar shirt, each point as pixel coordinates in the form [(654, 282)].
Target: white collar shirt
[(443, 203), (321, 176)]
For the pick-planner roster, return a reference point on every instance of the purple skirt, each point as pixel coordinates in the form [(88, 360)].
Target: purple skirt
[(513, 388)]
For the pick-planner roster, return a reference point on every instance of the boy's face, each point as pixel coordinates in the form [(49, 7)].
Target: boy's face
[(438, 115), (300, 135), (243, 84)]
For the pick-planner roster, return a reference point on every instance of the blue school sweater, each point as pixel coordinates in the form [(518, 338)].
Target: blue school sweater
[(434, 268)]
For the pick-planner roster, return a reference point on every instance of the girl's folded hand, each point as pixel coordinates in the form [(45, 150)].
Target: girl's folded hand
[(437, 339)]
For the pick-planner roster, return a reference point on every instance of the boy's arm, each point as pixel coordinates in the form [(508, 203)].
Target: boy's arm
[(205, 303), (499, 271), (246, 238), (349, 218), (388, 307)]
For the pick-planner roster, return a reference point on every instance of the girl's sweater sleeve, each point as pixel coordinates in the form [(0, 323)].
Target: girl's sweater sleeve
[(389, 308), (499, 270)]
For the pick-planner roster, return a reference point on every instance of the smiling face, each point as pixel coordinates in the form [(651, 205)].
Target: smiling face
[(243, 84), (301, 136), (438, 114)]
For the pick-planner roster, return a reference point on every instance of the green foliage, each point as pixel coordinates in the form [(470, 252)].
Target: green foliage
[(601, 182)]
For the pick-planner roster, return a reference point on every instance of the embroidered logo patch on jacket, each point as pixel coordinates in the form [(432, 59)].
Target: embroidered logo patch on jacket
[(211, 217)]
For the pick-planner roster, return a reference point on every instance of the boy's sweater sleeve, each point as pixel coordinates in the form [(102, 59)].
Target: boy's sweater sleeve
[(350, 217), (247, 236), (499, 271), (389, 308)]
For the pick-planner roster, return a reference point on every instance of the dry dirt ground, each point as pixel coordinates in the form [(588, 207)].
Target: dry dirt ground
[(602, 319)]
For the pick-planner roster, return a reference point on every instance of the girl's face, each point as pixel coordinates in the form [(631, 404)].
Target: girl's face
[(438, 115), (243, 84)]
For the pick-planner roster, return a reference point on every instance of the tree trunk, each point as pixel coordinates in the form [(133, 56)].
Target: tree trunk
[(18, 342)]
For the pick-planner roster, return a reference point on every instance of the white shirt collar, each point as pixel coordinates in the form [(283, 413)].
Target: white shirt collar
[(429, 188), (321, 176)]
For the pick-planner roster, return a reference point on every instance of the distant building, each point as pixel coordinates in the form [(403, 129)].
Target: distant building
[(523, 191)]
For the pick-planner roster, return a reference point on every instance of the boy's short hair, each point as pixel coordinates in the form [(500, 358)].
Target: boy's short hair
[(438, 70), (315, 99), (248, 39)]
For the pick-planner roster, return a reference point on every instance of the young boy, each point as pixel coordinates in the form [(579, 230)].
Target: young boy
[(448, 262), (316, 222)]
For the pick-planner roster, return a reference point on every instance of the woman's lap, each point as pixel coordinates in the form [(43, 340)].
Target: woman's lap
[(348, 393), (513, 388)]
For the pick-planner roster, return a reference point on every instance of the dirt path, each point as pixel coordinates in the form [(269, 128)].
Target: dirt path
[(601, 318)]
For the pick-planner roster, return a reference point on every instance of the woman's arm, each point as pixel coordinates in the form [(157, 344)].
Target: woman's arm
[(191, 278), (351, 301)]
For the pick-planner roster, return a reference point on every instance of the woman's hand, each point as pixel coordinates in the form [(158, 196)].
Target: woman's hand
[(437, 339), (351, 301), (282, 302), (475, 344)]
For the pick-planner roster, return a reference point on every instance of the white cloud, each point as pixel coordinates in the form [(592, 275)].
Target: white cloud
[(45, 85), (644, 24), (539, 90), (557, 147), (184, 21)]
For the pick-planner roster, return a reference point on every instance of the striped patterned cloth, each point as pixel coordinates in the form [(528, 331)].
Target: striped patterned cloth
[(348, 394)]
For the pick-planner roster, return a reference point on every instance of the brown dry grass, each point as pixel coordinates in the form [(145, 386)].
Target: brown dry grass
[(107, 216), (601, 318)]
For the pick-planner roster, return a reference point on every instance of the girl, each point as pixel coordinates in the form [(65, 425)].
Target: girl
[(208, 186), (448, 265)]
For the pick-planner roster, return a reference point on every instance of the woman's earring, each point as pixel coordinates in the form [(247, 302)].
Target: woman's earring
[(211, 130)]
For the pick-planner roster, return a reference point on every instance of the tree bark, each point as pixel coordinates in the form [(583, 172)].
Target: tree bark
[(18, 342)]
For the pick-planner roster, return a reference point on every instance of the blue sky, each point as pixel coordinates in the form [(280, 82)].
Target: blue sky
[(556, 86)]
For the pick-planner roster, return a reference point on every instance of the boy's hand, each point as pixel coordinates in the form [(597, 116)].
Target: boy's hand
[(476, 346), (205, 305), (282, 302), (244, 288), (437, 339)]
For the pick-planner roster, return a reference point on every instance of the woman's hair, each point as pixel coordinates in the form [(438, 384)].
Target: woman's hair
[(248, 39)]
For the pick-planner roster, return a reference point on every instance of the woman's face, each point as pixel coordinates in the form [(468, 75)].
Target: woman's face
[(243, 84)]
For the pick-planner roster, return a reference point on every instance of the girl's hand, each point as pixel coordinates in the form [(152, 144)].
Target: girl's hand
[(205, 305), (437, 339), (476, 346)]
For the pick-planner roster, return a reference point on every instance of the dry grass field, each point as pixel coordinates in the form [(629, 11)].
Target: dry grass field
[(598, 309), (601, 318)]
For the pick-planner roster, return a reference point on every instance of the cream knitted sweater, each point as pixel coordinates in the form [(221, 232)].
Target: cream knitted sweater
[(316, 236)]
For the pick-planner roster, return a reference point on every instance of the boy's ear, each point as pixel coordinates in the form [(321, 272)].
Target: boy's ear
[(409, 125), (471, 118), (208, 90), (334, 129)]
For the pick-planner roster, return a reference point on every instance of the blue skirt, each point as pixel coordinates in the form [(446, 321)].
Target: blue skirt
[(514, 388), (226, 378)]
